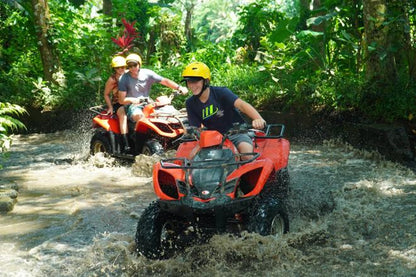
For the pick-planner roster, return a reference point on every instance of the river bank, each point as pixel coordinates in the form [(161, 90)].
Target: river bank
[(395, 141)]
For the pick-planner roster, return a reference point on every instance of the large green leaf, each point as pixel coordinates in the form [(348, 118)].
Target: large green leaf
[(285, 28)]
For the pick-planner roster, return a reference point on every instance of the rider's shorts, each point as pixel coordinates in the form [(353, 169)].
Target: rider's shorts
[(132, 110), (239, 138), (116, 106)]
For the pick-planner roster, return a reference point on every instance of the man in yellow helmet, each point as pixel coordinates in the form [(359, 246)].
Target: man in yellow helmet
[(137, 84), (217, 108)]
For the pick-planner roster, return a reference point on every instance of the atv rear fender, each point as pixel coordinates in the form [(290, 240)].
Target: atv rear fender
[(109, 123)]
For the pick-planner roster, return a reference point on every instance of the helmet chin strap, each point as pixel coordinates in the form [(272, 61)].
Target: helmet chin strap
[(204, 87)]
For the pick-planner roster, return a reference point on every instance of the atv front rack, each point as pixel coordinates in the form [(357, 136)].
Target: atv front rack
[(184, 163)]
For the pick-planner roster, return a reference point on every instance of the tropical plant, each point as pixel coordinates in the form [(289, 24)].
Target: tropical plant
[(8, 124)]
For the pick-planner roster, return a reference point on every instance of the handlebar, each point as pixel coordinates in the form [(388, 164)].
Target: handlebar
[(184, 163), (97, 109)]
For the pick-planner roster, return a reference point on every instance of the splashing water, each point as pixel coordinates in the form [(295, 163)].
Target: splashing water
[(351, 213)]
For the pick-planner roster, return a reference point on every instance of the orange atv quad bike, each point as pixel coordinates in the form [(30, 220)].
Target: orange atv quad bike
[(207, 188), (157, 131)]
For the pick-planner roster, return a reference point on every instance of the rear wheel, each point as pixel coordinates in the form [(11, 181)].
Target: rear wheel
[(151, 147), (100, 143)]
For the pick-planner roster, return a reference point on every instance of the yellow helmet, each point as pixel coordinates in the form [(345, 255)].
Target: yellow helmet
[(134, 58), (196, 70), (118, 61)]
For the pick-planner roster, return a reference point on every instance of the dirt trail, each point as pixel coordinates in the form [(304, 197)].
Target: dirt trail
[(351, 213)]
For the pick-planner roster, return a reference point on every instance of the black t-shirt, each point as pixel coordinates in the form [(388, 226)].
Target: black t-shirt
[(218, 113)]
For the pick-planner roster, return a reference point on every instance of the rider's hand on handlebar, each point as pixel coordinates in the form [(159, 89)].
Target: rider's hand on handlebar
[(110, 111), (259, 123)]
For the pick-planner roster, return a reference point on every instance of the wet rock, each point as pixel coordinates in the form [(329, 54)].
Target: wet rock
[(8, 197), (143, 164), (9, 186), (102, 160), (392, 141), (395, 141), (8, 193), (6, 203)]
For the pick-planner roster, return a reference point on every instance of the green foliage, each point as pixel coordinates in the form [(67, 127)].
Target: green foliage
[(85, 50), (167, 35), (256, 21), (281, 57), (381, 101), (8, 124), (216, 20), (19, 58)]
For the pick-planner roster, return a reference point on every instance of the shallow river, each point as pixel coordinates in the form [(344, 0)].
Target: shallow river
[(351, 214)]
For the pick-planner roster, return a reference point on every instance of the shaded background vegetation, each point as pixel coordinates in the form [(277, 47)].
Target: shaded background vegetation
[(304, 56)]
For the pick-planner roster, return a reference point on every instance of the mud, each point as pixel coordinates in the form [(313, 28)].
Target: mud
[(351, 212)]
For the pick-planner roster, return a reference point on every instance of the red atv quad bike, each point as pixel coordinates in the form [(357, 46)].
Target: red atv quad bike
[(156, 132), (208, 188)]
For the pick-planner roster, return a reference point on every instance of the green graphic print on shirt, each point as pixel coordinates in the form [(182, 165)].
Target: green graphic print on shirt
[(209, 111)]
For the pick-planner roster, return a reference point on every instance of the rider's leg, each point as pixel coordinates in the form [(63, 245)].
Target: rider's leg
[(122, 118), (136, 118), (244, 147), (244, 144), (134, 113)]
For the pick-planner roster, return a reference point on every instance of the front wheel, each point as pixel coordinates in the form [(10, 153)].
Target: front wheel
[(157, 232), (269, 217), (151, 147)]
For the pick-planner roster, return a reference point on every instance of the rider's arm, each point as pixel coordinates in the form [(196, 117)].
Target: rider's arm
[(173, 85), (107, 90), (250, 111)]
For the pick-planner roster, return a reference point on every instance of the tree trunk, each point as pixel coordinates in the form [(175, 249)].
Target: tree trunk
[(409, 51), (380, 61), (304, 14), (323, 58), (41, 19), (358, 33), (107, 7), (151, 42), (188, 20)]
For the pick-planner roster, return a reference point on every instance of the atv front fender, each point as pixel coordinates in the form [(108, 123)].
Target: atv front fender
[(164, 182), (256, 174), (145, 125)]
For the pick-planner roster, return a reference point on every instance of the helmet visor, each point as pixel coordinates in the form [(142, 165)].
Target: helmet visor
[(191, 79)]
